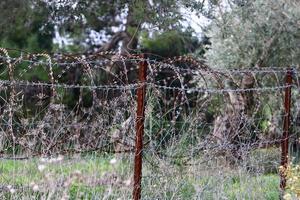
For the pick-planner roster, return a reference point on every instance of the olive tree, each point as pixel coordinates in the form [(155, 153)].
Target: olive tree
[(251, 34)]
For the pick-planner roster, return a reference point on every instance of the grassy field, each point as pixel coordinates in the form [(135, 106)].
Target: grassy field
[(107, 177), (86, 177)]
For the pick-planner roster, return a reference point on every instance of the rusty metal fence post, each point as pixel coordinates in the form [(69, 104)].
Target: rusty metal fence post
[(286, 127), (140, 117)]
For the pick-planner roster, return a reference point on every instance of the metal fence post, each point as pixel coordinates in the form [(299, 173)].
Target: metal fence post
[(286, 127), (140, 117)]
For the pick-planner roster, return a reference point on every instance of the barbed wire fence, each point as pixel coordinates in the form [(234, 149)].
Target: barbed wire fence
[(169, 128)]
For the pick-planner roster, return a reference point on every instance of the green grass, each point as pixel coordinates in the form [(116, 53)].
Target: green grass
[(90, 175), (25, 171), (261, 187), (173, 183)]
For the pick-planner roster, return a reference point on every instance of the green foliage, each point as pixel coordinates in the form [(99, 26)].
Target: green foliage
[(170, 43), (265, 188), (23, 26), (83, 192), (78, 18), (260, 33)]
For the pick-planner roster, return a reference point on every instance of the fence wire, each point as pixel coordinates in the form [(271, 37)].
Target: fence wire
[(68, 125)]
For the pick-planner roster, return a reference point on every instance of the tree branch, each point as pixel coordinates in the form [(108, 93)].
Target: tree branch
[(115, 39)]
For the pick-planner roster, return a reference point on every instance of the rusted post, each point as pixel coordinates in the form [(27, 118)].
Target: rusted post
[(286, 127), (140, 116)]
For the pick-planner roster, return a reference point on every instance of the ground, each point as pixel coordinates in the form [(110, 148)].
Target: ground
[(109, 177)]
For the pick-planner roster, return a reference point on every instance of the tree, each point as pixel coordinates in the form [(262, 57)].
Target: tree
[(260, 33), (257, 34), (117, 23), (23, 25)]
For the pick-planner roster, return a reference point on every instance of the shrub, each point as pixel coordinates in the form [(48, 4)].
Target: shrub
[(293, 182)]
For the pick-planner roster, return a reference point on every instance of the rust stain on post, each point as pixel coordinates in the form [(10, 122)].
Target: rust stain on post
[(140, 116), (286, 127)]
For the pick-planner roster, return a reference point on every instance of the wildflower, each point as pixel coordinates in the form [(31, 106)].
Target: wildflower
[(113, 161), (127, 182), (60, 158), (41, 167), (12, 190), (287, 196), (35, 188)]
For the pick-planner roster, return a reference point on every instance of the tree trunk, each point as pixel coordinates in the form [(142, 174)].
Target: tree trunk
[(130, 41), (231, 129)]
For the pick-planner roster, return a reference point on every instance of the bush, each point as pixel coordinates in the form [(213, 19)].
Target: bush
[(293, 182)]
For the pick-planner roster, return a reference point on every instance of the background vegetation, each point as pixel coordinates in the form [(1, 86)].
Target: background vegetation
[(181, 161)]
